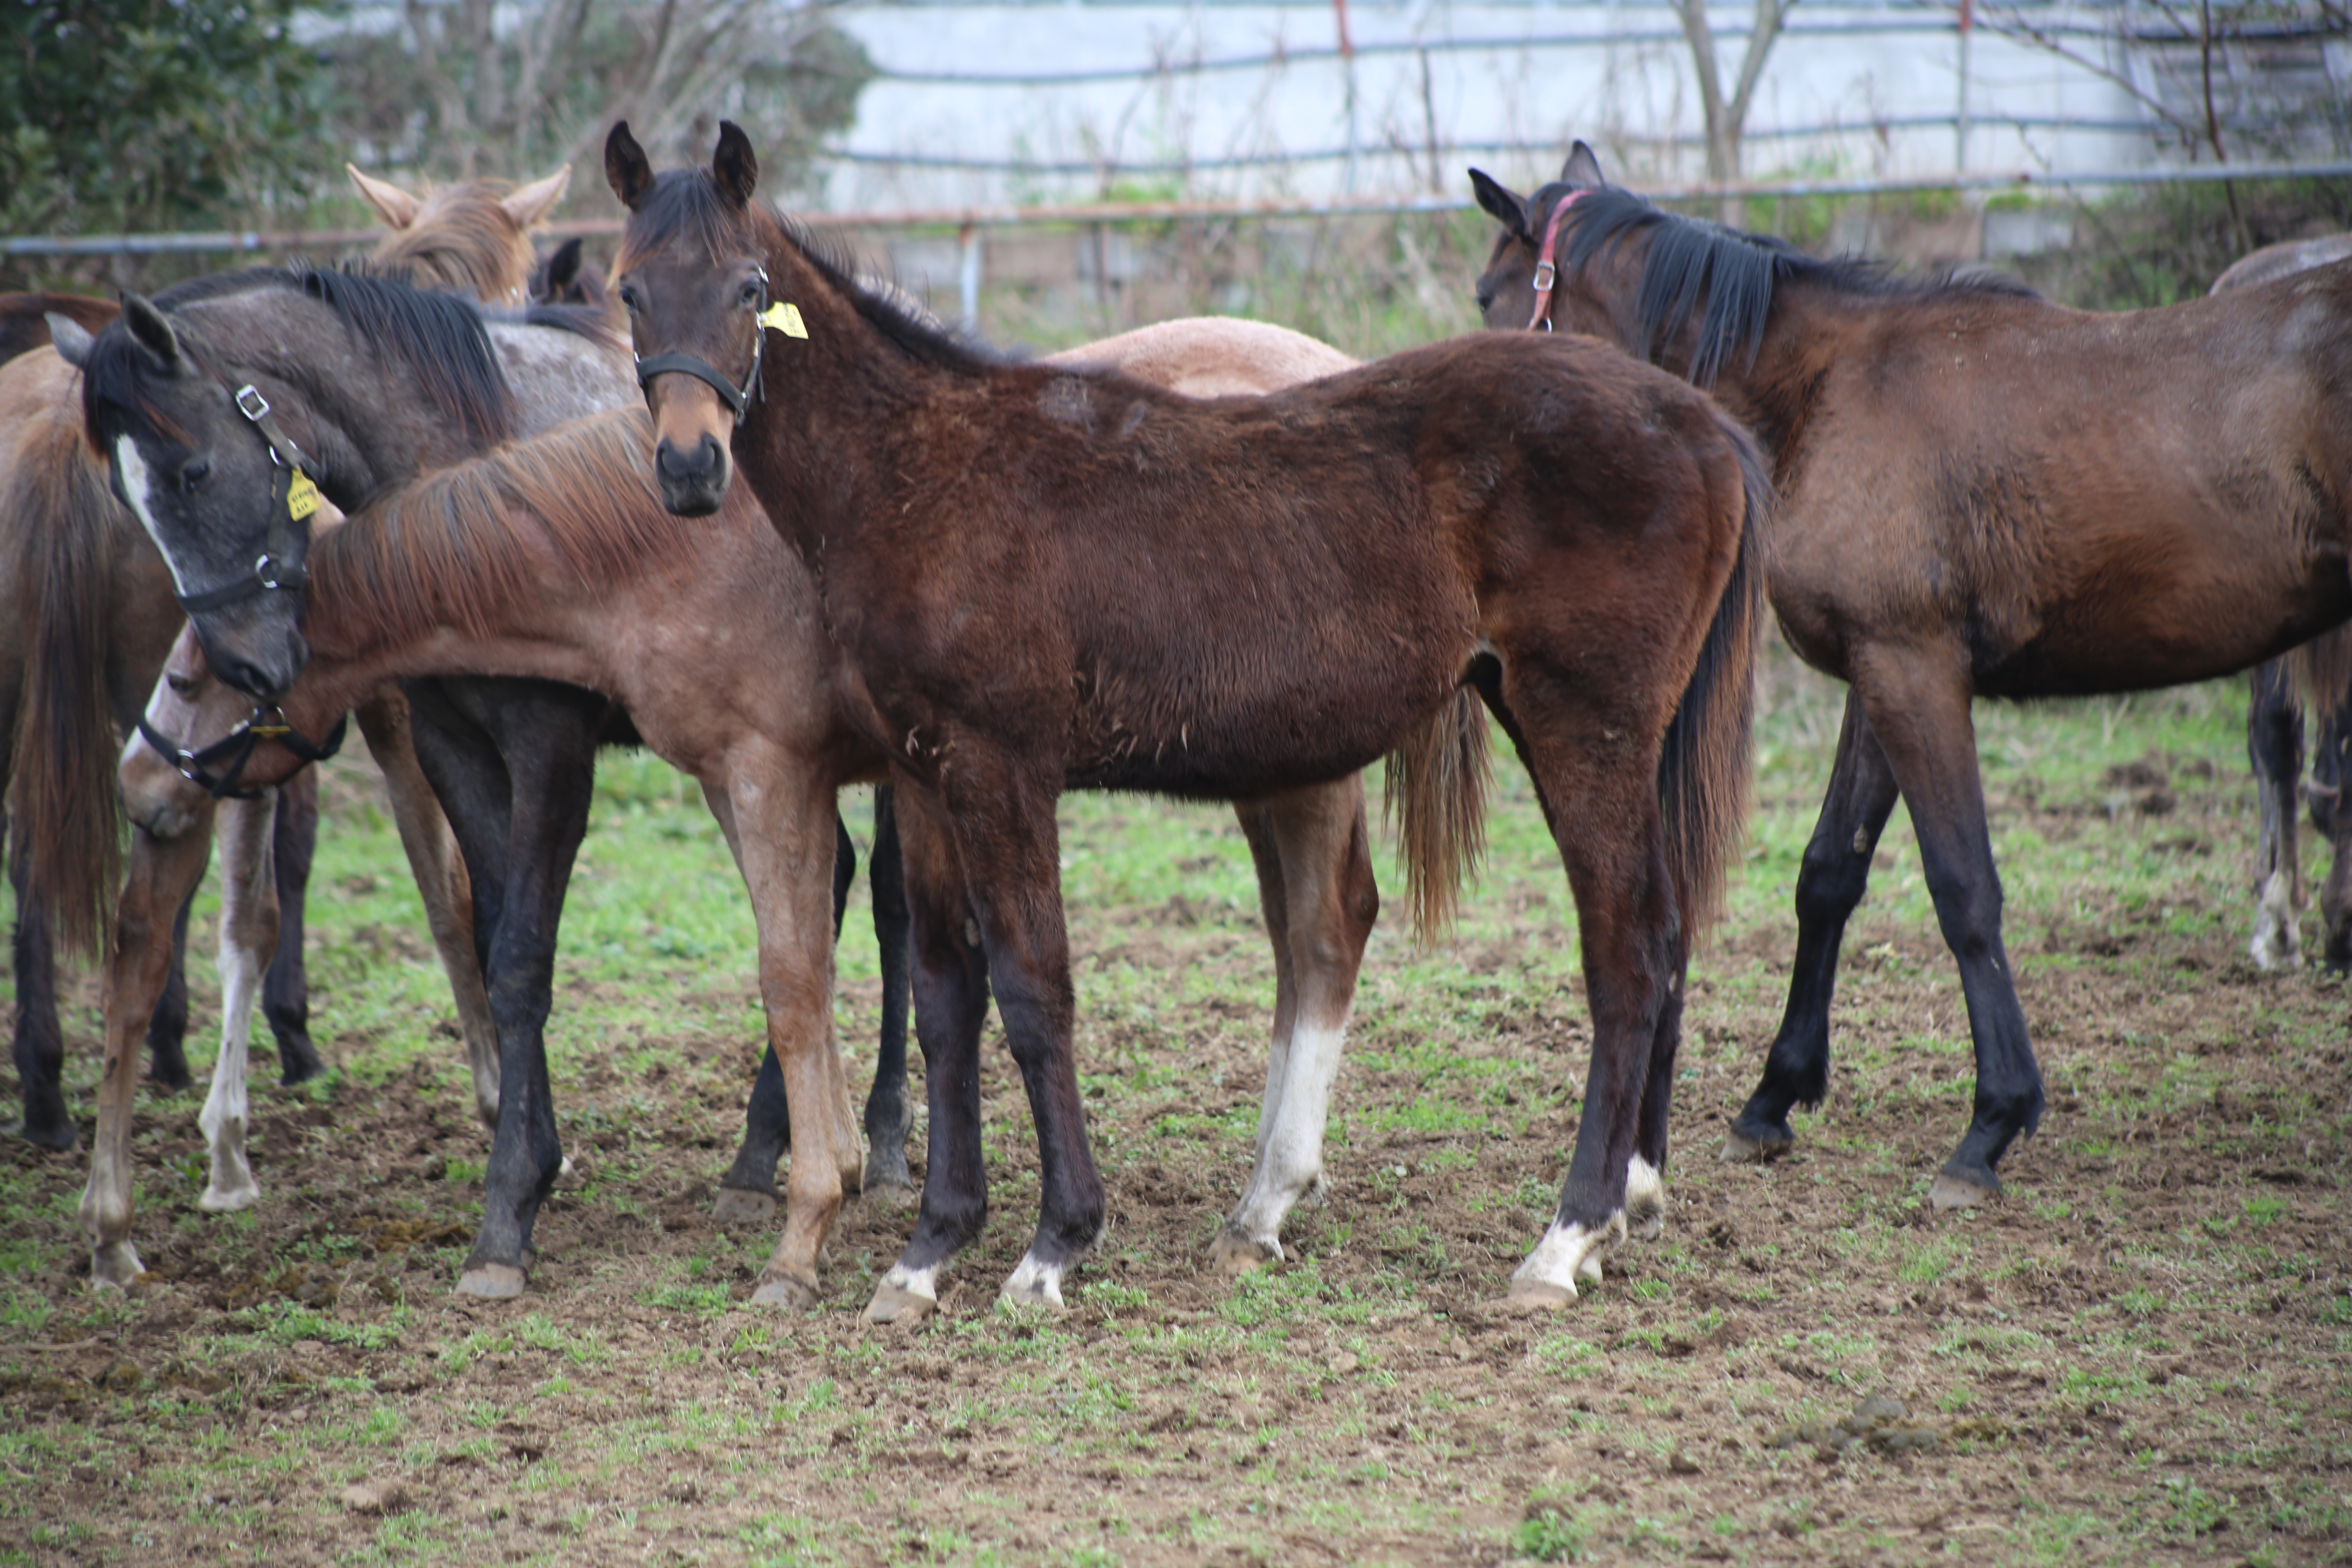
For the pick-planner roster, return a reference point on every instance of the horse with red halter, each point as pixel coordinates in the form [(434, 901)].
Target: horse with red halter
[(1983, 495), (1041, 577), (95, 616)]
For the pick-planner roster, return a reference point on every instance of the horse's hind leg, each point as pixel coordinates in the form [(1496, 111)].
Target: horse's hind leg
[(2274, 746), (426, 839), (1602, 809), (888, 1118), (39, 1052), (167, 1026), (1831, 882), (949, 986), (160, 874), (1314, 883), (1920, 713), (249, 933), (286, 992)]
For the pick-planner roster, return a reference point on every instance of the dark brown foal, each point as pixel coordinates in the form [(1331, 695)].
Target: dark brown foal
[(1042, 576)]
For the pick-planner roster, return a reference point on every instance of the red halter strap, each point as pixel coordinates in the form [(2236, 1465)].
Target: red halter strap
[(1547, 268)]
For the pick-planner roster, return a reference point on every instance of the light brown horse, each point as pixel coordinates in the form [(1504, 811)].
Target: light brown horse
[(551, 559), (1041, 578), (95, 616), (1984, 495)]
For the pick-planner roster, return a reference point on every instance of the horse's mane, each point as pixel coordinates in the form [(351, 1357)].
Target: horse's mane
[(1737, 273), (688, 203), (456, 548), (437, 336), (462, 239)]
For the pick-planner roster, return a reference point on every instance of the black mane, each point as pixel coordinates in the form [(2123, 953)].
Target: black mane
[(438, 336), (688, 201), (1736, 272)]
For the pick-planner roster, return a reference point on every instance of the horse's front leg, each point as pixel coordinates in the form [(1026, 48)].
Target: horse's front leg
[(248, 936), (787, 847), (950, 985), (429, 842), (1919, 710), (2274, 747), (1002, 811), (286, 989), (1315, 883), (522, 753), (39, 1047), (162, 873), (1830, 883)]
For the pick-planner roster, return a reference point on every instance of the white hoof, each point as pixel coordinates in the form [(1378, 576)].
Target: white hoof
[(114, 1265), (905, 1296), (2278, 938), (218, 1199), (1034, 1284), (1566, 1254)]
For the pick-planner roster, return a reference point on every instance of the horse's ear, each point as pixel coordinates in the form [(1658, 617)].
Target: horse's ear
[(151, 329), (562, 270), (1502, 204), (537, 199), (1582, 170), (627, 168), (71, 339), (732, 166), (395, 206)]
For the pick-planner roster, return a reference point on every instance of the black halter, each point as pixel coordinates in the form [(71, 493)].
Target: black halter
[(236, 746), (293, 496), (737, 397)]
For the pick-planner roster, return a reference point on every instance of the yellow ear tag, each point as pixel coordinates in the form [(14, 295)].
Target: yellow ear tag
[(785, 319), (301, 496)]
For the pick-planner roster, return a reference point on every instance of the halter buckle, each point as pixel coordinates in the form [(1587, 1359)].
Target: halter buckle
[(1546, 276), (252, 405)]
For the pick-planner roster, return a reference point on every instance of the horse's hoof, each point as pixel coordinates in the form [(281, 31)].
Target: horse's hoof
[(1035, 1283), (1646, 1201), (1589, 1268), (896, 1304), (1528, 1297), (1950, 1192), (1740, 1149), (114, 1265), (743, 1207), (1233, 1254), (896, 1197), (887, 1177), (783, 1291), (493, 1281), (218, 1200), (59, 1139), (167, 1087)]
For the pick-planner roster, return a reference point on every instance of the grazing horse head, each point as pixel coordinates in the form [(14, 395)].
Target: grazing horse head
[(687, 223), (227, 408)]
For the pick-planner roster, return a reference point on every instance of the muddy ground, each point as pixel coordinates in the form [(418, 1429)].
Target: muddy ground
[(2138, 1353)]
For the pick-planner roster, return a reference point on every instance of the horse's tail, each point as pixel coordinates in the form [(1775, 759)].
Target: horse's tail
[(1706, 767), (67, 808), (2319, 673), (1437, 800)]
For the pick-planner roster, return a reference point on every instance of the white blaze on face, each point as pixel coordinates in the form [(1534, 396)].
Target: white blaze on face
[(136, 483)]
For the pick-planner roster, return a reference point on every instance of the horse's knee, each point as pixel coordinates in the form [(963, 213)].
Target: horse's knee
[(1831, 879)]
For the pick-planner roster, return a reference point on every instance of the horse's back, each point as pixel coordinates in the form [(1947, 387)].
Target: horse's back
[(1212, 356)]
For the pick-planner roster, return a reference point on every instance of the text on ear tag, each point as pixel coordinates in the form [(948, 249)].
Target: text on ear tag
[(785, 319), (301, 496)]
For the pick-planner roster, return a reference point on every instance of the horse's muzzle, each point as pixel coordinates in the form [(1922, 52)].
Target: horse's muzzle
[(694, 482)]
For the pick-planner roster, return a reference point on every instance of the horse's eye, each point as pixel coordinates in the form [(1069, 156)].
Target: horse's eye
[(192, 472), (1486, 298), (628, 300), (750, 297), (181, 685)]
